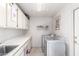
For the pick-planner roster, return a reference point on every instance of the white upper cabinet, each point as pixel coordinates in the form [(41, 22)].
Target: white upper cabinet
[(24, 22), (2, 15), (12, 15), (20, 18)]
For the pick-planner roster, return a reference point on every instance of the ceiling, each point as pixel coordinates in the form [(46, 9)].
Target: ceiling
[(41, 9)]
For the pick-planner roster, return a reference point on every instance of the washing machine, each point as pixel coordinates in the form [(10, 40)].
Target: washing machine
[(54, 47)]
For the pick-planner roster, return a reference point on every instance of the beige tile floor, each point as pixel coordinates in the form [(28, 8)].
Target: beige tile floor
[(36, 52)]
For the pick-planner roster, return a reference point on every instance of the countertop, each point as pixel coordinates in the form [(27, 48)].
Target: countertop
[(16, 41)]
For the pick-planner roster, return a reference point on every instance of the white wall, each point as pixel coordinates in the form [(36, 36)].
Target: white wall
[(36, 34), (6, 34), (66, 26)]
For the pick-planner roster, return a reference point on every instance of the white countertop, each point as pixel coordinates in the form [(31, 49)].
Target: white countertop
[(16, 41)]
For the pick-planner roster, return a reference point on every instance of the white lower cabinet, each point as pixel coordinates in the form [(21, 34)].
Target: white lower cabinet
[(22, 54), (25, 49), (21, 51)]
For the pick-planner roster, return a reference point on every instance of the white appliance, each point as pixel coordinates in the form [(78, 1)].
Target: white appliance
[(53, 47)]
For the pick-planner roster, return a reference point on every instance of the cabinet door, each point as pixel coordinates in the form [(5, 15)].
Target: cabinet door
[(26, 23), (3, 15), (29, 44), (12, 15), (23, 21), (20, 52), (20, 19), (23, 50)]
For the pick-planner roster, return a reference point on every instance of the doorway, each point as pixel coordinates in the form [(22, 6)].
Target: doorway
[(76, 31)]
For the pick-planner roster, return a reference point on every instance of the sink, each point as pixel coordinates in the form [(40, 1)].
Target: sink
[(6, 49)]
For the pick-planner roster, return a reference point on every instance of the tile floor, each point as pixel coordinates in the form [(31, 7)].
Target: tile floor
[(36, 52)]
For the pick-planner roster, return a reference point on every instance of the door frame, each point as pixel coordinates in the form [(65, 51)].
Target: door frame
[(74, 30)]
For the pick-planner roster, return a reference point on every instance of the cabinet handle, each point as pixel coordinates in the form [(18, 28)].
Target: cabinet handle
[(26, 51)]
